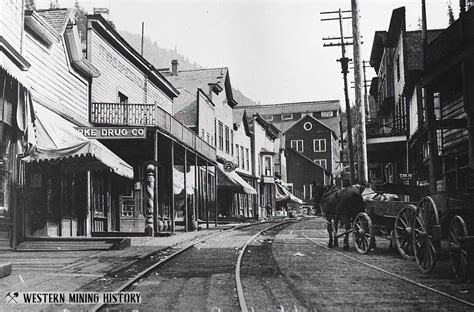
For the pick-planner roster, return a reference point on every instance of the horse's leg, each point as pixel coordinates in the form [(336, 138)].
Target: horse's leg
[(347, 227), (329, 228), (336, 224)]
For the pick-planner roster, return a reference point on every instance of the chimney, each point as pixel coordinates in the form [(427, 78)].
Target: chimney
[(104, 12), (174, 67), (30, 5)]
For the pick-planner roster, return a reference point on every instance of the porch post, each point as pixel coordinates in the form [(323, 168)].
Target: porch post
[(185, 191), (468, 101), (150, 194), (432, 146), (172, 189), (207, 195)]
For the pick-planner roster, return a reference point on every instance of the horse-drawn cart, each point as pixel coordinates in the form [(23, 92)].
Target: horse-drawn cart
[(418, 228), (440, 217)]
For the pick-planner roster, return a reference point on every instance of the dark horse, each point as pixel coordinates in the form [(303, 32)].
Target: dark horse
[(338, 205)]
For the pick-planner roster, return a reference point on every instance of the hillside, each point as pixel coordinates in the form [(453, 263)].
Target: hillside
[(161, 58)]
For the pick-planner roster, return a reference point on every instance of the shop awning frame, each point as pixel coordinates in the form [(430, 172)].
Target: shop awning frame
[(58, 140), (233, 182)]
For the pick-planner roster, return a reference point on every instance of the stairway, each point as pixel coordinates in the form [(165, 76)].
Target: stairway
[(73, 244)]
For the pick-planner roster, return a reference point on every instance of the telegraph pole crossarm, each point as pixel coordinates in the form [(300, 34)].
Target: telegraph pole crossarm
[(344, 70)]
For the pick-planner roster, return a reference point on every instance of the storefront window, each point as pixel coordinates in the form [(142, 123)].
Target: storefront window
[(5, 170)]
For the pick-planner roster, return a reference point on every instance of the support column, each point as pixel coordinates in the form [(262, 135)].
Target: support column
[(186, 216), (150, 195), (207, 195), (155, 158), (432, 149), (172, 189), (468, 101)]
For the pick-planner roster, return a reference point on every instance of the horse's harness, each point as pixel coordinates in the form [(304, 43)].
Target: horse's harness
[(327, 195)]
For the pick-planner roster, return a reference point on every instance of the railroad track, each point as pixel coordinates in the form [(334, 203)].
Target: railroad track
[(193, 264), (387, 272)]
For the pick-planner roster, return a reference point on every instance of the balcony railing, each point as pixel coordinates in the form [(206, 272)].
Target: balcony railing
[(386, 127), (119, 114), (459, 33)]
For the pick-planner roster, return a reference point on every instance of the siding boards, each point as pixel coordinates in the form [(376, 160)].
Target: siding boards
[(54, 81), (454, 139), (116, 70), (11, 22)]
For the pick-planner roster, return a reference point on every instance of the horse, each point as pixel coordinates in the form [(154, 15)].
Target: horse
[(338, 205)]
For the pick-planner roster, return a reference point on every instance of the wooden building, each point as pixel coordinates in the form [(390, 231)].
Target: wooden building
[(206, 104), (180, 185), (312, 150), (445, 132), (16, 134), (391, 130), (68, 174)]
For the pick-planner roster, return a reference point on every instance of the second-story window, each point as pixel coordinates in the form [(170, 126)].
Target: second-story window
[(268, 118), (123, 99), (232, 142), (208, 139), (227, 140), (286, 116), (203, 133), (297, 145), (242, 164), (321, 162), (221, 136), (247, 160), (319, 145), (237, 154), (398, 68), (267, 165)]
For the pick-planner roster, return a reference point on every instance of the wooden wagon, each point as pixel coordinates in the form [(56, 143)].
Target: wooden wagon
[(445, 216), (417, 229), (388, 218)]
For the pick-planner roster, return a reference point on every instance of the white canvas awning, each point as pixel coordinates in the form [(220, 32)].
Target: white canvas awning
[(57, 139), (234, 182)]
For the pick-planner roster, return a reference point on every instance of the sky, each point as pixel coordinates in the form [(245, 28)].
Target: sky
[(273, 49)]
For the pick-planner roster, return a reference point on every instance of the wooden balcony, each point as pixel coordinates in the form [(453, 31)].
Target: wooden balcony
[(452, 40), (118, 114), (386, 127)]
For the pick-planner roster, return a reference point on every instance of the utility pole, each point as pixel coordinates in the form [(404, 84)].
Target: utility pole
[(360, 105), (345, 69)]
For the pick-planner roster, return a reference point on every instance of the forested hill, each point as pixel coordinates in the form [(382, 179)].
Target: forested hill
[(161, 58)]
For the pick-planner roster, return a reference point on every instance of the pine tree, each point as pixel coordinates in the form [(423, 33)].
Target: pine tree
[(450, 13)]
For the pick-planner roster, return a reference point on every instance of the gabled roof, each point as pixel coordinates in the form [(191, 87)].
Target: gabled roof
[(397, 25), (302, 119), (192, 80), (295, 107), (240, 118), (378, 46), (56, 18), (188, 114), (298, 154), (270, 129)]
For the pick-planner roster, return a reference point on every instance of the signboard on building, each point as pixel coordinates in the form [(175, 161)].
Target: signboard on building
[(229, 166), (406, 176), (113, 132)]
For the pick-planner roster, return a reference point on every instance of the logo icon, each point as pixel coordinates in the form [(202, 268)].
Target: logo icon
[(11, 297), (229, 166)]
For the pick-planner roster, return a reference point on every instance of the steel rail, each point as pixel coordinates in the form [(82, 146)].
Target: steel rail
[(140, 274), (238, 281), (403, 278)]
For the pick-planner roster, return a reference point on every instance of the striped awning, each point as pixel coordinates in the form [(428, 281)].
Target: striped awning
[(57, 139), (232, 181)]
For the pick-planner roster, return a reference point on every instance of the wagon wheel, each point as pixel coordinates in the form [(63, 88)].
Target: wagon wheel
[(459, 257), (426, 235), (404, 231), (362, 233)]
